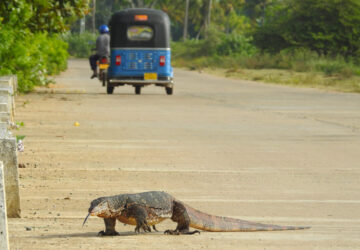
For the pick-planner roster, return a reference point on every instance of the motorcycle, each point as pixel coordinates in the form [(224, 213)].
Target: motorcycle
[(103, 65)]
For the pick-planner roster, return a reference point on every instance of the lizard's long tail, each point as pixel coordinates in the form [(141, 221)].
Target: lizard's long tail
[(212, 223)]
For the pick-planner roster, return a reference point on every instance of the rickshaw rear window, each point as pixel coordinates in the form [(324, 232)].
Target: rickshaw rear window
[(140, 33)]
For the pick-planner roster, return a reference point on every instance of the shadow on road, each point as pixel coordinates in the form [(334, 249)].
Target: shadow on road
[(49, 92), (91, 235)]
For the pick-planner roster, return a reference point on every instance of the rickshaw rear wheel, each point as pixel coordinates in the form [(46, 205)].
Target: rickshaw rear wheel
[(109, 90), (169, 90), (138, 90)]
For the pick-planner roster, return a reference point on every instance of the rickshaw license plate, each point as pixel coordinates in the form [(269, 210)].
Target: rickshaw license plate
[(104, 66), (150, 76)]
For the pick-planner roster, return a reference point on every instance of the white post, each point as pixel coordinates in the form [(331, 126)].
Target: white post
[(8, 154), (4, 240)]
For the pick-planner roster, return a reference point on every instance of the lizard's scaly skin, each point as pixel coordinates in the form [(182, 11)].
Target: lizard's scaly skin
[(150, 208)]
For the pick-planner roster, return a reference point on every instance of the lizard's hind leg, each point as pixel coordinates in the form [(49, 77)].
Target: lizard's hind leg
[(140, 214), (180, 216)]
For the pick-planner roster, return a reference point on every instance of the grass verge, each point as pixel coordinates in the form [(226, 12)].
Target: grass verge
[(287, 77), (299, 68)]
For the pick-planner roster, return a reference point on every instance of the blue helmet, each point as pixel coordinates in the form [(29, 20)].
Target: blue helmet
[(104, 29)]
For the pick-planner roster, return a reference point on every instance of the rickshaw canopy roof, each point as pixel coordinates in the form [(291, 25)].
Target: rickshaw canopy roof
[(157, 20)]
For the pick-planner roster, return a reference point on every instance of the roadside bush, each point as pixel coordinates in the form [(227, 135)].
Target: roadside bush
[(31, 56), (235, 43), (30, 44), (80, 45), (216, 45), (329, 68), (186, 49)]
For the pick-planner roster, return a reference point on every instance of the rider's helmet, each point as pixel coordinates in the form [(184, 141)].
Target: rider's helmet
[(104, 29)]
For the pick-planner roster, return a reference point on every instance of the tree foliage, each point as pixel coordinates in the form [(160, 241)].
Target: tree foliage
[(30, 46), (42, 15), (29, 29), (329, 27), (226, 14)]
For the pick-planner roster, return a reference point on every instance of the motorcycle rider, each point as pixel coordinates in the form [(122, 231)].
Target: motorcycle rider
[(102, 48)]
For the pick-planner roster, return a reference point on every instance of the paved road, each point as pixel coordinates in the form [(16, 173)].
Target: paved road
[(265, 153)]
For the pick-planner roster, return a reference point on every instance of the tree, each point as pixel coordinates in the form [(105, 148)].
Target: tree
[(142, 3), (39, 15), (229, 18), (256, 10), (185, 34), (226, 14), (105, 8), (30, 46), (325, 26)]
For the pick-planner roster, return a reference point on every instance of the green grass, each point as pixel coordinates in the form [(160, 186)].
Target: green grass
[(296, 68), (292, 78)]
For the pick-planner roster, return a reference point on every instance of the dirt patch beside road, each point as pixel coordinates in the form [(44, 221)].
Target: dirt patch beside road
[(258, 152)]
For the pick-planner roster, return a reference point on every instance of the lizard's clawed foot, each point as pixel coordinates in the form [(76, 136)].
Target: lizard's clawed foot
[(142, 225), (108, 233), (155, 228), (171, 232), (180, 232)]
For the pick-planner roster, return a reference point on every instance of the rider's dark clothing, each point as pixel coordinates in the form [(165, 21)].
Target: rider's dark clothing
[(93, 59)]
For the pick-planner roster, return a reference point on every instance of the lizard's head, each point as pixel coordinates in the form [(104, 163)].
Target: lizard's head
[(99, 207)]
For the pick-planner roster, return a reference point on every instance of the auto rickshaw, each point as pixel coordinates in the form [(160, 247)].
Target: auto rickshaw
[(140, 50)]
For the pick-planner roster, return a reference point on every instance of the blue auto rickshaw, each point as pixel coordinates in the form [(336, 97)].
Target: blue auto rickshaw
[(140, 50)]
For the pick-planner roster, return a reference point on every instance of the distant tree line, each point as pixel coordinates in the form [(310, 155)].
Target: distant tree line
[(30, 44), (324, 26)]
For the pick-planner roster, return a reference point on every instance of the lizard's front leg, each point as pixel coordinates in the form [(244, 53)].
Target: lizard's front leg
[(109, 228)]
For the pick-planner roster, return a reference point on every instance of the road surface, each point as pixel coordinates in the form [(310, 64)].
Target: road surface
[(259, 152)]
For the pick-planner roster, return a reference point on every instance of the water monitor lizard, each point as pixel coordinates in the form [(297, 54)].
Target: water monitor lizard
[(149, 208)]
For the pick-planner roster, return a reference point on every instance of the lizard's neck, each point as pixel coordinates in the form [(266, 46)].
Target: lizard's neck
[(116, 205)]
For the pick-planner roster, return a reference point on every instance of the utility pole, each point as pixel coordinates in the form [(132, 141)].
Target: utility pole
[(93, 16), (185, 33)]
